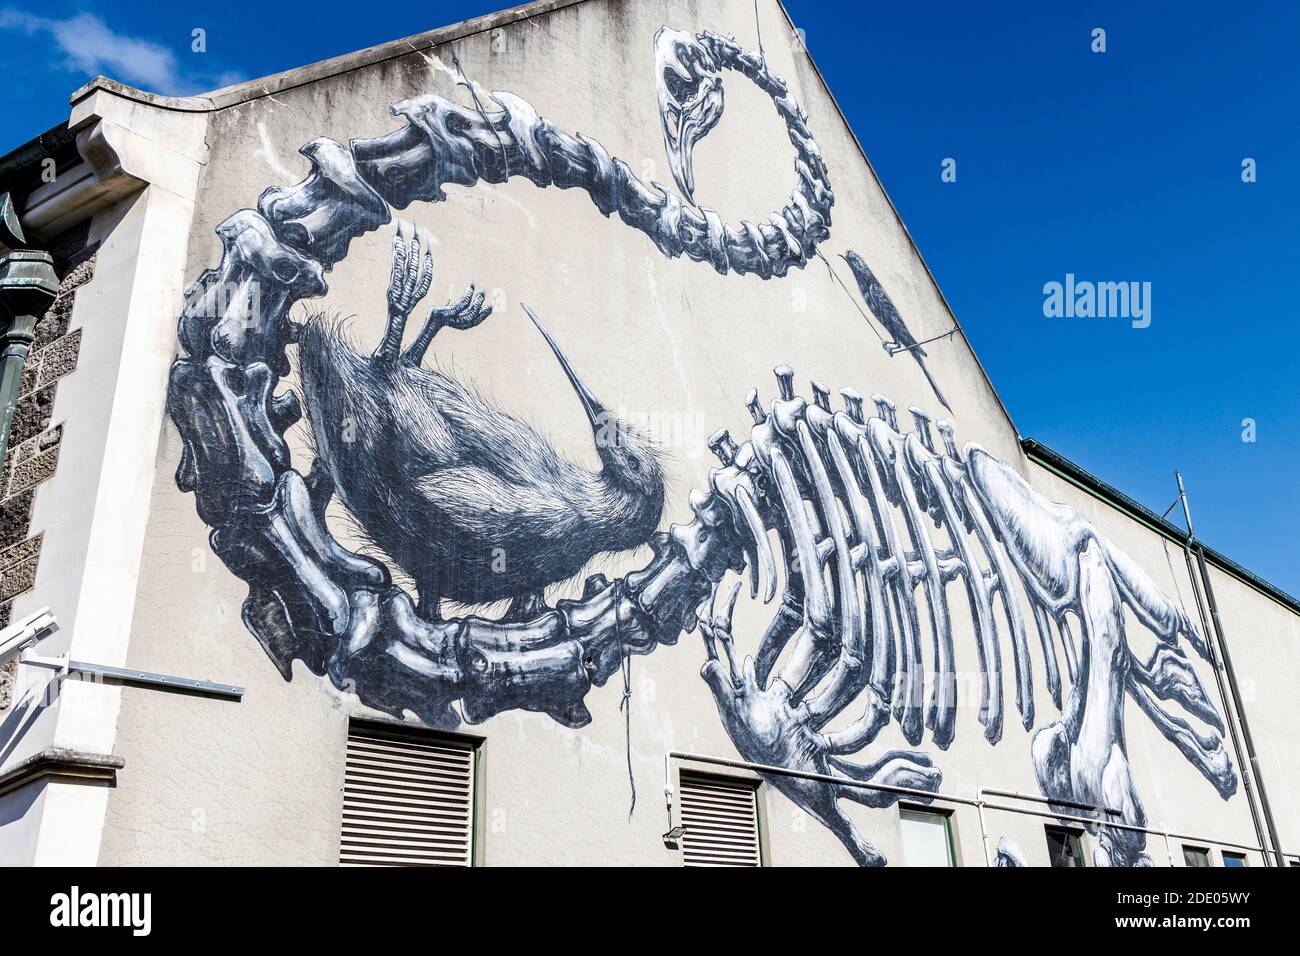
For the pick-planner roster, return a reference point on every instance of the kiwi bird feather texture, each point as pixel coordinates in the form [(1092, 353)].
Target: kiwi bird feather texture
[(472, 503)]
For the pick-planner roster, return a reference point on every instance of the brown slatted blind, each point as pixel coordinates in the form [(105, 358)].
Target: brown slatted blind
[(408, 799), (721, 819)]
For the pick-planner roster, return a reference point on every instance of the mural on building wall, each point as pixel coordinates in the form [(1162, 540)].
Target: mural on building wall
[(428, 446), (1008, 855), (882, 307), (874, 524), (442, 482), (473, 504)]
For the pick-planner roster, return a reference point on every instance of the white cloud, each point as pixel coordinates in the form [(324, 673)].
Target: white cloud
[(89, 45)]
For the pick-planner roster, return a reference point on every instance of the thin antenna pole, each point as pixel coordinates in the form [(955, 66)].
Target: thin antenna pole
[(1225, 698), (1182, 496)]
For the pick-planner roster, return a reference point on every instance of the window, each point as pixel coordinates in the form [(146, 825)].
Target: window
[(408, 798), (927, 837), (720, 815), (1065, 846), (1195, 856), (1233, 859)]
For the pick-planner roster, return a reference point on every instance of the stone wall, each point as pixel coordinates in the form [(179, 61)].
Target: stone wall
[(34, 442)]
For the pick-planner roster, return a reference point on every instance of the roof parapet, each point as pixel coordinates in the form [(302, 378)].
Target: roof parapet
[(302, 75)]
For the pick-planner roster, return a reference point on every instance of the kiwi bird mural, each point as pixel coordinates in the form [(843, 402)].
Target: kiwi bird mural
[(434, 476), (832, 508), (472, 503)]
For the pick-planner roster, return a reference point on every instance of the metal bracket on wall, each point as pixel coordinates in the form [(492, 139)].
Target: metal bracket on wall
[(124, 675), (21, 638)]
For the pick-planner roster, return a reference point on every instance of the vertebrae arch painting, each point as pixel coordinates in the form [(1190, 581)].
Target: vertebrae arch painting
[(439, 480)]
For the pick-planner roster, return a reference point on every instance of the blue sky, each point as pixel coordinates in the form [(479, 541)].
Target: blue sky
[(1116, 166)]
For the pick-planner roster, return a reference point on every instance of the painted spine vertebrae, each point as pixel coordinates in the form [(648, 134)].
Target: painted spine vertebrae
[(873, 524), (312, 600), (832, 486)]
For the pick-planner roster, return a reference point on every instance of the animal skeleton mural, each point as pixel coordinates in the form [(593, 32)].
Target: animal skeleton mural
[(829, 484), (438, 478), (338, 612)]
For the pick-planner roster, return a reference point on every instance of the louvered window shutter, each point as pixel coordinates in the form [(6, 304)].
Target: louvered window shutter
[(721, 819), (408, 799)]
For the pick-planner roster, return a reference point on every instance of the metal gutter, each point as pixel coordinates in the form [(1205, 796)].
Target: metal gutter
[(54, 141), (1068, 471)]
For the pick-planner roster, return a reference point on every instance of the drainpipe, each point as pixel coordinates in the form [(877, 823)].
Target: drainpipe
[(1231, 675), (1193, 577), (28, 286)]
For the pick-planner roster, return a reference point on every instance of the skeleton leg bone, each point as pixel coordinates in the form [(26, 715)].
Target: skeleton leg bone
[(911, 769), (1082, 758)]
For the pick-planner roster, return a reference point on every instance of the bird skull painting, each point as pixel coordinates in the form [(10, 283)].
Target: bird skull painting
[(690, 100), (438, 480)]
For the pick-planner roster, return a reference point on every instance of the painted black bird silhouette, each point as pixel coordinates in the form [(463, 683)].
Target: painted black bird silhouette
[(882, 308), (472, 503)]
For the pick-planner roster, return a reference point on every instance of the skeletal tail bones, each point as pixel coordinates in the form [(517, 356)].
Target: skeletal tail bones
[(848, 624), (337, 611), (277, 254), (827, 485)]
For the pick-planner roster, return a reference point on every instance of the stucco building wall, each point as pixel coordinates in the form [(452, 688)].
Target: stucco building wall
[(1262, 637), (665, 341)]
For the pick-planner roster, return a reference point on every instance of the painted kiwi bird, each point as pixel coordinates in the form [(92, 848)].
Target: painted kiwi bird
[(882, 307), (472, 503)]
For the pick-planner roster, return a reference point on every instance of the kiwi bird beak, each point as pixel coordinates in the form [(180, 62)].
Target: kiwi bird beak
[(596, 412)]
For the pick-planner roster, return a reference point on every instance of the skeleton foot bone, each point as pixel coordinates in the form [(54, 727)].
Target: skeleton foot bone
[(411, 276), (461, 315)]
